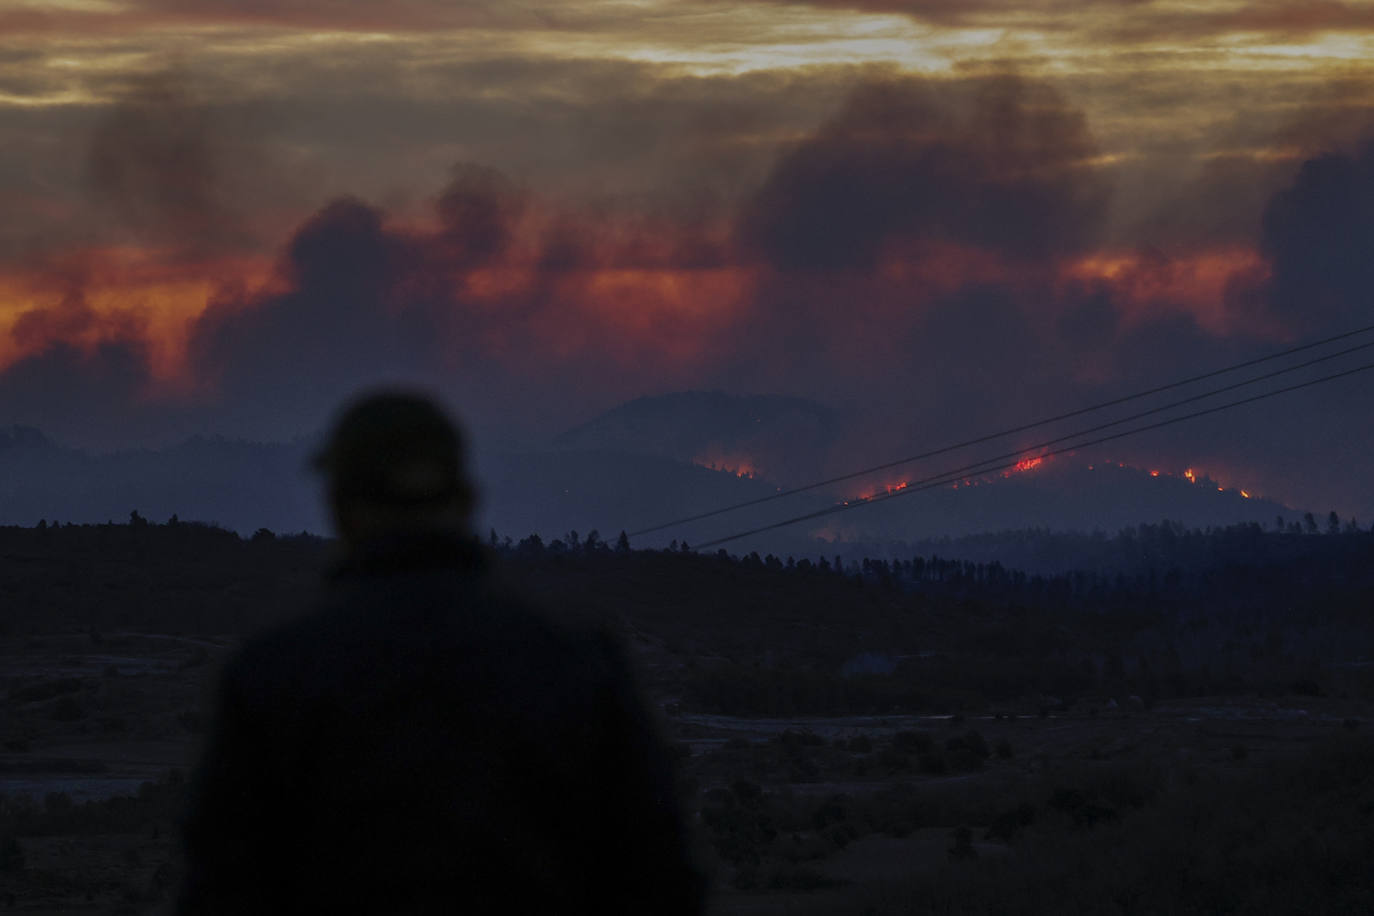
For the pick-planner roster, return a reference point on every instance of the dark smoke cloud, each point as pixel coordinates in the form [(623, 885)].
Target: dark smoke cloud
[(92, 394), (1318, 238), (1001, 164), (977, 193), (176, 169), (84, 374), (911, 235), (478, 212), (905, 263), (358, 301)]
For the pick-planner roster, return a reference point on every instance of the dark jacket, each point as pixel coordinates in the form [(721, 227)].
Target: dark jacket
[(423, 743)]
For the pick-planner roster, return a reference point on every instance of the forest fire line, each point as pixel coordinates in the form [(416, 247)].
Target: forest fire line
[(890, 489), (739, 465), (1192, 475)]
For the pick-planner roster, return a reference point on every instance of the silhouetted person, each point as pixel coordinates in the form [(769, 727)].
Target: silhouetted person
[(423, 742)]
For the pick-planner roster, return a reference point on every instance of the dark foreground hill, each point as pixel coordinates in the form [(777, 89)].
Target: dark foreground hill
[(895, 737), (1227, 609)]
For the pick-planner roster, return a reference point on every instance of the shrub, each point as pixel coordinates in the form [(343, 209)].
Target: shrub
[(962, 843), (11, 854), (971, 741), (913, 741), (799, 878), (793, 739), (68, 709), (740, 827), (1007, 825), (934, 763), (57, 803), (893, 759), (45, 690), (1085, 811), (833, 810), (963, 760)]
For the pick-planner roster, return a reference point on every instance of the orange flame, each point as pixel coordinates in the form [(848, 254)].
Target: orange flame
[(1024, 465), (1193, 475), (739, 465)]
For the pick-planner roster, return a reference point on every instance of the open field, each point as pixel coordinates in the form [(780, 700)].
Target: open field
[(796, 814), (907, 738)]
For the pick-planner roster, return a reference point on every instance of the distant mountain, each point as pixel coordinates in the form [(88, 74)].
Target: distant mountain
[(623, 471), (792, 441), (765, 436), (1069, 494), (240, 485), (1065, 494), (607, 491), (245, 486)]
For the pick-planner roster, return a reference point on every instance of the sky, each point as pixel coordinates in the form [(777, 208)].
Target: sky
[(938, 217)]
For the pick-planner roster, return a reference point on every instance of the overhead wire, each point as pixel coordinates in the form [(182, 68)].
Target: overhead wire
[(968, 443), (951, 476)]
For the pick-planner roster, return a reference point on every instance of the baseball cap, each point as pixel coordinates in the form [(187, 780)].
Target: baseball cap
[(396, 447)]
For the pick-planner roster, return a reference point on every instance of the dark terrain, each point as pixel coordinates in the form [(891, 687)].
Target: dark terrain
[(1184, 729)]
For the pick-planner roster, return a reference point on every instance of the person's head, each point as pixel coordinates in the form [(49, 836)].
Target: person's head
[(393, 463)]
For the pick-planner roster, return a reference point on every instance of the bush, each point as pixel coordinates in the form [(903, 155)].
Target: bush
[(913, 742), (799, 878), (962, 843), (893, 759), (834, 810), (45, 690), (57, 803), (972, 742), (68, 709), (11, 854), (934, 763), (1085, 810), (1009, 824), (740, 826), (963, 760)]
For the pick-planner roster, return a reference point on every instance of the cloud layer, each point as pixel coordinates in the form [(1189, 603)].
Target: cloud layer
[(935, 245)]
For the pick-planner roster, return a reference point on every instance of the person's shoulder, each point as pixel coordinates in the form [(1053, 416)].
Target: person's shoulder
[(506, 602), (583, 640), (271, 659)]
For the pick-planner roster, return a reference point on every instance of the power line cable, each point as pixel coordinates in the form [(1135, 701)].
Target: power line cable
[(951, 476), (1016, 429)]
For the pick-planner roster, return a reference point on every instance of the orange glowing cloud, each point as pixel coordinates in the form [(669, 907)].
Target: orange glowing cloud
[(1146, 285), (132, 289)]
